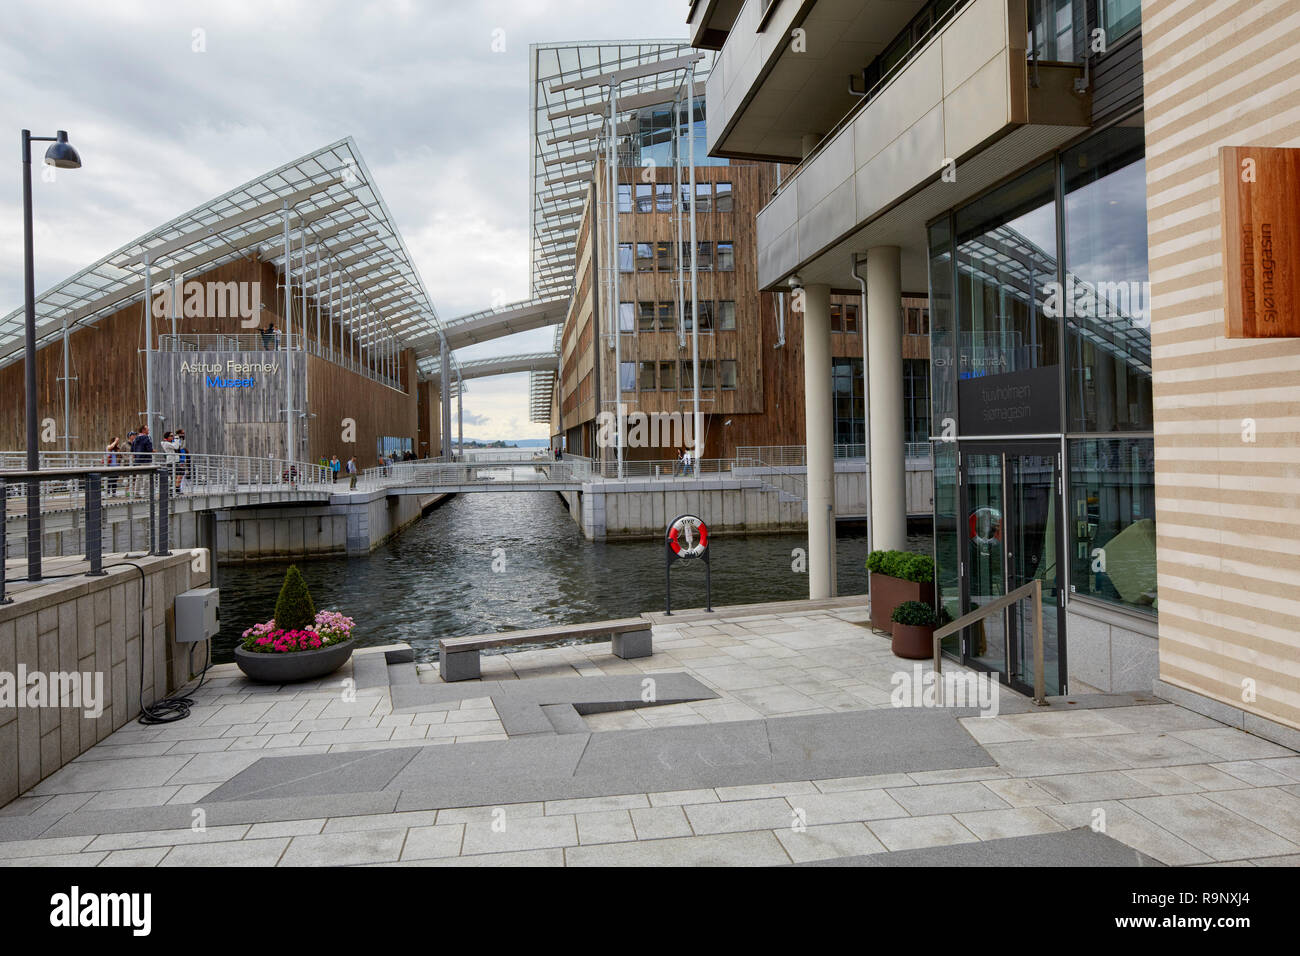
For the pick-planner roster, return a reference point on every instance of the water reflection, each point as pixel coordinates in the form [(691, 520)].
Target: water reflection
[(436, 579)]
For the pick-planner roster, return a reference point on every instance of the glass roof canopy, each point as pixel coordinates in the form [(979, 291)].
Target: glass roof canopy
[(568, 117), (335, 209)]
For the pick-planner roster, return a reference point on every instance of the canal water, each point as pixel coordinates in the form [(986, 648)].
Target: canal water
[(441, 578)]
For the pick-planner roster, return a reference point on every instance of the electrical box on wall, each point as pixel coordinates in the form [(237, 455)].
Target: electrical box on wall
[(197, 613)]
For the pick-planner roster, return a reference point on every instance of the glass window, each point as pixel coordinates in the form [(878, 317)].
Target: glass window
[(624, 197), (1119, 17), (667, 316), (722, 200), (625, 257), (1051, 29), (644, 197), (626, 317), (665, 253), (627, 376), (1106, 299), (706, 316), (726, 257), (943, 384), (646, 376), (726, 317), (645, 257), (686, 197), (667, 376), (686, 256), (708, 378), (688, 378), (850, 406), (703, 196), (663, 197), (946, 541), (687, 315), (646, 320), (1005, 259), (706, 257), (916, 400), (1112, 520), (727, 378)]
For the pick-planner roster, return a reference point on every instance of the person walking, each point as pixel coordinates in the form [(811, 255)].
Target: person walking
[(268, 337), (112, 457), (352, 472), (334, 468)]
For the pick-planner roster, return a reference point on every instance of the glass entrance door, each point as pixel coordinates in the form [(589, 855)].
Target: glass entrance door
[(1012, 536)]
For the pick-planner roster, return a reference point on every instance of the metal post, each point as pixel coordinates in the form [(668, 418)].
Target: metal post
[(460, 412), (616, 281), (445, 384), (67, 447), (1040, 680), (148, 343), (94, 526), (316, 295), (4, 544), (29, 290), (289, 447), (153, 518), (697, 418), (164, 509)]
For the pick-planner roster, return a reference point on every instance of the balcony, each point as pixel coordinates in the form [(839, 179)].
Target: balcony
[(710, 21), (966, 99), (768, 90)]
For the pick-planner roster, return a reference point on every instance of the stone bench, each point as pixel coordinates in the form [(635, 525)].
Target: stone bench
[(458, 657)]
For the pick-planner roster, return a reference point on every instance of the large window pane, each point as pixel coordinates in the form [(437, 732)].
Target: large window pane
[(645, 257), (726, 257), (645, 197), (943, 379), (1112, 520), (646, 316), (646, 376), (1119, 17), (625, 257), (664, 197), (1105, 299), (624, 197), (626, 317), (850, 408), (627, 376), (722, 201), (726, 318), (728, 373), (1006, 245), (667, 376)]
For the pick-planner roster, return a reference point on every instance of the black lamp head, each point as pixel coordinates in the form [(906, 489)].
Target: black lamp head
[(61, 153)]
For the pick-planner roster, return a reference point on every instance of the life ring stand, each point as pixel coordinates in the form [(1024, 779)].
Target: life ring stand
[(683, 524)]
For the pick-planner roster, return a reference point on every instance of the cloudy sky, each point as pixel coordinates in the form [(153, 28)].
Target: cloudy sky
[(441, 119)]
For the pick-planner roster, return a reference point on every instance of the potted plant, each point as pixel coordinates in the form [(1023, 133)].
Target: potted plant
[(912, 627), (299, 643), (895, 577)]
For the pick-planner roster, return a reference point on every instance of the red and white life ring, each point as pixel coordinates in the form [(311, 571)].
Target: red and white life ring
[(986, 526), (685, 526)]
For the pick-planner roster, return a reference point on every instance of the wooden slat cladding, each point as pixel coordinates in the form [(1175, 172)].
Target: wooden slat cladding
[(766, 407), (106, 361), (1220, 74)]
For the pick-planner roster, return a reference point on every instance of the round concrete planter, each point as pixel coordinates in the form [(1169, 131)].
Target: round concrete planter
[(293, 666), (912, 641)]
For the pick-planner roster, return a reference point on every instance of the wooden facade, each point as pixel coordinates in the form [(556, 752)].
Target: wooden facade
[(107, 389), (766, 406)]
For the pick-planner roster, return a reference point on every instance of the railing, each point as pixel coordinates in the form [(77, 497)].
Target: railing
[(454, 474), (278, 342), (1034, 589), (153, 482), (196, 475)]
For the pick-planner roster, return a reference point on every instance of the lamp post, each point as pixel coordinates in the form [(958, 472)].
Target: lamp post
[(61, 155)]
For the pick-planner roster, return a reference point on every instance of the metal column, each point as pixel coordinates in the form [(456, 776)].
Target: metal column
[(445, 382), (289, 447)]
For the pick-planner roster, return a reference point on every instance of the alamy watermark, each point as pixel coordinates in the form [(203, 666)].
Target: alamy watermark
[(1077, 299), (646, 429), (922, 688), (212, 300), (38, 689)]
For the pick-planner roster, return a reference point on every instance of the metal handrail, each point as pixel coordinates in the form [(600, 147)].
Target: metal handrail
[(1034, 589)]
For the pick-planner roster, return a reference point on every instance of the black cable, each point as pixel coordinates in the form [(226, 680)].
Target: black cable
[(167, 709)]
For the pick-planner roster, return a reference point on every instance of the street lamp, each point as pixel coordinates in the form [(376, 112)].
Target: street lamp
[(62, 155)]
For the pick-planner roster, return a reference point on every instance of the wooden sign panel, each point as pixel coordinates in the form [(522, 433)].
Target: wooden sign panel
[(1261, 241)]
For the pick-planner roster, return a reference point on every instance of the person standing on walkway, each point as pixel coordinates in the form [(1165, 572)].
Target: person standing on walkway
[(352, 471), (171, 456), (183, 456), (112, 458), (142, 451), (335, 465)]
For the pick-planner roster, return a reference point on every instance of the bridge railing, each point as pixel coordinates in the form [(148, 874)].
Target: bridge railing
[(196, 475), (457, 473)]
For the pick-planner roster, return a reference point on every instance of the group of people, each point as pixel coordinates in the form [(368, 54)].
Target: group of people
[(334, 465), (139, 450)]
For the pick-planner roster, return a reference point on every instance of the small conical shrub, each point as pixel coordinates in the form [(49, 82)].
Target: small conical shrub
[(294, 609)]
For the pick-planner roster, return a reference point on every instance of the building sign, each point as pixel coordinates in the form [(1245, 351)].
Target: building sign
[(232, 374), (1261, 241), (1027, 402)]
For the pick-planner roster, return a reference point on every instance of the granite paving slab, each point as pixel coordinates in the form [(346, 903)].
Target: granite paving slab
[(1080, 847)]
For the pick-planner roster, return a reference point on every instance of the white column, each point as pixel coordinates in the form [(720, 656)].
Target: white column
[(819, 434), (885, 400)]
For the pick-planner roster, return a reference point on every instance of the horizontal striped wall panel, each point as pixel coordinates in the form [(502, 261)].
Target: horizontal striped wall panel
[(1220, 73)]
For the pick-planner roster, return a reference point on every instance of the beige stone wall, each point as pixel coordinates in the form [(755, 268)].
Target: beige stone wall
[(91, 625), (1219, 73)]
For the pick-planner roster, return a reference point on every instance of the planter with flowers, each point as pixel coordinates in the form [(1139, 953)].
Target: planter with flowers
[(297, 644)]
